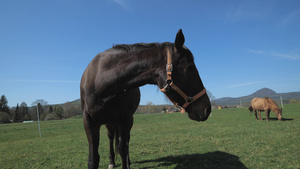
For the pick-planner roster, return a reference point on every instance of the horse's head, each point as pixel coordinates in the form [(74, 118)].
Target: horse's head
[(278, 112), (182, 83)]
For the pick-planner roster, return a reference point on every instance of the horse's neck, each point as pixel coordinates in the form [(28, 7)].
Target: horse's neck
[(272, 105), (130, 72)]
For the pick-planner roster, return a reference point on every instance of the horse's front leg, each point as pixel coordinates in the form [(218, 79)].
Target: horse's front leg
[(111, 135), (124, 143), (92, 132), (268, 114), (259, 114), (124, 151)]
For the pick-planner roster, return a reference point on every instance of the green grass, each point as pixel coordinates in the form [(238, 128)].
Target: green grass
[(230, 138)]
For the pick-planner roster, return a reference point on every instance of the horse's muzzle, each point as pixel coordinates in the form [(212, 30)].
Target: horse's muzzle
[(200, 116), (207, 112)]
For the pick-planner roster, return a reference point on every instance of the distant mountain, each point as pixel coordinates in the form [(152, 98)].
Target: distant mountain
[(264, 92)]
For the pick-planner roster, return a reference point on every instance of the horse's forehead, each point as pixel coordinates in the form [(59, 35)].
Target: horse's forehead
[(189, 55)]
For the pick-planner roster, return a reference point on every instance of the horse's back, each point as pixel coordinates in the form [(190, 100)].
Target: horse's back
[(258, 103)]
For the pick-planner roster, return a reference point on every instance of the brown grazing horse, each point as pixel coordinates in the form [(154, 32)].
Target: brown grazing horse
[(110, 94), (265, 104)]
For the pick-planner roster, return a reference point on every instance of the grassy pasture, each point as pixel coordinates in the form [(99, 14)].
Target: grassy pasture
[(230, 138)]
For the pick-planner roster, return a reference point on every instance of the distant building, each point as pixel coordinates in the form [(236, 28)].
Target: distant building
[(173, 109)]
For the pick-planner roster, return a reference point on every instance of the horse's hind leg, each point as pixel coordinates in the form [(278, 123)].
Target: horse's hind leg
[(255, 113), (92, 131), (111, 135)]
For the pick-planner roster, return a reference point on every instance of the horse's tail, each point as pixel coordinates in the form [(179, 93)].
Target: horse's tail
[(251, 110)]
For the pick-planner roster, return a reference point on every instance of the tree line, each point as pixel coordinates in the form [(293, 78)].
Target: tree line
[(23, 112)]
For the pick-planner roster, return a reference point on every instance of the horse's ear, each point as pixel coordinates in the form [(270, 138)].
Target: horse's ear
[(179, 41)]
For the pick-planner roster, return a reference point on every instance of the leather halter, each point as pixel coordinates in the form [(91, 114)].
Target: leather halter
[(170, 84)]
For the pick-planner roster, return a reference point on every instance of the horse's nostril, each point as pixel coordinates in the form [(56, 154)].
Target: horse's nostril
[(208, 110)]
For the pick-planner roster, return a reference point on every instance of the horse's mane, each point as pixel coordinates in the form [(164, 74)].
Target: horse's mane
[(272, 102), (139, 46)]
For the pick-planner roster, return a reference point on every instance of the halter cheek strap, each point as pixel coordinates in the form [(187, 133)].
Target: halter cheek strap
[(171, 84), (188, 99)]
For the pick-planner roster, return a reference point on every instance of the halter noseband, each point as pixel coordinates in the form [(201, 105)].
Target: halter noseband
[(170, 83)]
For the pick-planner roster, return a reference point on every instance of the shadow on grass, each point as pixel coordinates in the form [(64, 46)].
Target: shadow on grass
[(217, 159), (276, 119)]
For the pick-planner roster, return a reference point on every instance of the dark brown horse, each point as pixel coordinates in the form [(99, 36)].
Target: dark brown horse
[(110, 94), (265, 104)]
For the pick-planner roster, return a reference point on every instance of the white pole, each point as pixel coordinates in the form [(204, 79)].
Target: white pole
[(38, 117), (281, 102)]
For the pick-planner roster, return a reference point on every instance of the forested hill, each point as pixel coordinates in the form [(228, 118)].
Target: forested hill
[(265, 92)]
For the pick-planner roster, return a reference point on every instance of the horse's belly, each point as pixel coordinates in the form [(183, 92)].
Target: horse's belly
[(117, 109), (259, 107)]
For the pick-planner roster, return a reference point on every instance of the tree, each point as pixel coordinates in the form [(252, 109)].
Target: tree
[(18, 117), (71, 109), (39, 103), (58, 111), (4, 117), (50, 110), (3, 104), (294, 101), (50, 117), (24, 111), (149, 108), (211, 97), (42, 115), (41, 110)]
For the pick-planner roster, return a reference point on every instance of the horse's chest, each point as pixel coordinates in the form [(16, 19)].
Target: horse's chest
[(105, 116)]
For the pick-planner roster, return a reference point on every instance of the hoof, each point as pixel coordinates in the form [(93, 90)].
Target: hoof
[(111, 166)]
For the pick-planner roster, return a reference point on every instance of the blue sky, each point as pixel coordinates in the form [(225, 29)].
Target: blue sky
[(239, 46)]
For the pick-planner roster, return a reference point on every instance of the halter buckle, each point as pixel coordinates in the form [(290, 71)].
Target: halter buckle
[(169, 67), (167, 86), (169, 81), (189, 99)]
